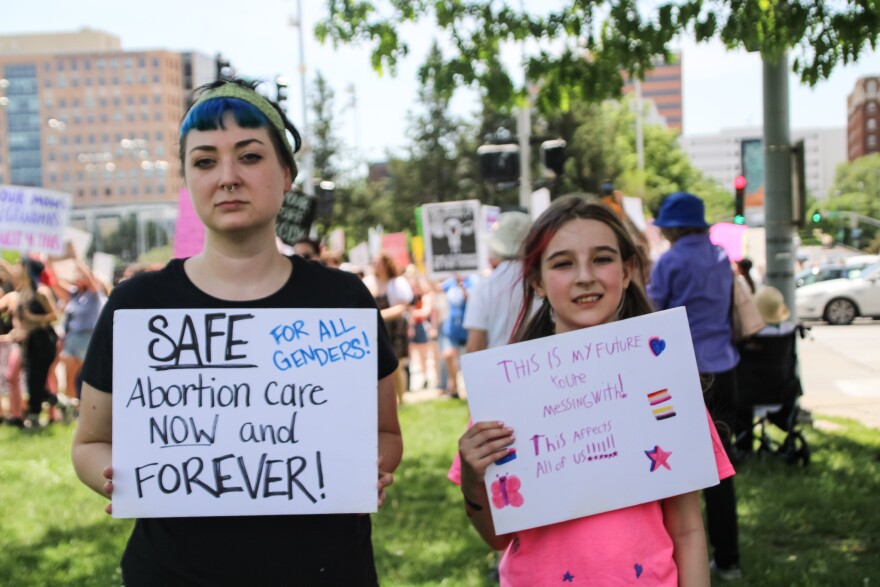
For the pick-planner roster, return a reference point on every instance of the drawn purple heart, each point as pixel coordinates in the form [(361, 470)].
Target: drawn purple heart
[(657, 344), (639, 570)]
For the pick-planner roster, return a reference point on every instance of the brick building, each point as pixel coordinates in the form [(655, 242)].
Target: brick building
[(662, 86), (863, 112)]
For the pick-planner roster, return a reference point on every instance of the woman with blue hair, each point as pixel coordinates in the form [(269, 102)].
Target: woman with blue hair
[(237, 163)]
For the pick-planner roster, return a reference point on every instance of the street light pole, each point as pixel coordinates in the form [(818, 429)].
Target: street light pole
[(640, 137), (524, 134), (308, 160)]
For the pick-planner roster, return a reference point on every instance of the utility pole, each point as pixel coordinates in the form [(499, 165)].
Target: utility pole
[(524, 135), (308, 159), (777, 169), (524, 132), (640, 137)]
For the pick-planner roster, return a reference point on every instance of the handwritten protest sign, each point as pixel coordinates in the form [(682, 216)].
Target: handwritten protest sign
[(244, 412), (604, 418), (295, 219), (452, 243), (32, 220)]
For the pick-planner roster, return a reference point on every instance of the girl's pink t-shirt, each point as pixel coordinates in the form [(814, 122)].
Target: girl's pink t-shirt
[(629, 546)]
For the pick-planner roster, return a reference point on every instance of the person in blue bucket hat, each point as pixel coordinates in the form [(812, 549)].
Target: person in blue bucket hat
[(681, 210), (696, 274)]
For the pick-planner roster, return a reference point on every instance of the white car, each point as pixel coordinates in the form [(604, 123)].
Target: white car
[(839, 301)]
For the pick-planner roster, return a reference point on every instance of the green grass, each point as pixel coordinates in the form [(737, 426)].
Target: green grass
[(818, 526)]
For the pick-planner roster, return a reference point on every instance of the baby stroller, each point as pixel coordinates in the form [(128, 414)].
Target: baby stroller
[(769, 392)]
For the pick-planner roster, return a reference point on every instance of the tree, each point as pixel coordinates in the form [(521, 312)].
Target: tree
[(435, 135), (431, 172), (601, 146), (595, 41), (325, 144), (123, 241), (361, 206), (600, 39), (326, 148), (857, 190), (859, 182)]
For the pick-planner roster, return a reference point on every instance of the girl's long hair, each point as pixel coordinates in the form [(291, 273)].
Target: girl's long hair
[(635, 300)]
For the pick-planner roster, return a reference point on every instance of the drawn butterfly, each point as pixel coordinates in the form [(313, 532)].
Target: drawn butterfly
[(505, 492)]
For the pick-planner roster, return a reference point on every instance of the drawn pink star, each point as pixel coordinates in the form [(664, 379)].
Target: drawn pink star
[(658, 458)]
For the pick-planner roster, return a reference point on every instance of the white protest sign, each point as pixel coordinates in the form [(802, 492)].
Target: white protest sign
[(359, 255), (634, 211), (244, 412), (539, 201), (490, 217), (604, 418), (103, 266), (32, 220)]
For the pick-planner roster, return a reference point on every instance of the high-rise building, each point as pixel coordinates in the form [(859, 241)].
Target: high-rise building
[(662, 87), (863, 112), (80, 115)]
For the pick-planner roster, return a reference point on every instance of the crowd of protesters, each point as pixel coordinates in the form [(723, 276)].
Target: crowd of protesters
[(48, 309)]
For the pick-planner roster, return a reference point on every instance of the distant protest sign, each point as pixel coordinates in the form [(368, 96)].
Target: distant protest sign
[(452, 238), (604, 418), (244, 412), (32, 220), (295, 219), (189, 232), (394, 243)]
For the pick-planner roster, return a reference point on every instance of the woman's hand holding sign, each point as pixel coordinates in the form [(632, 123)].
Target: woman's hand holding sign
[(385, 479), (108, 488), (480, 446)]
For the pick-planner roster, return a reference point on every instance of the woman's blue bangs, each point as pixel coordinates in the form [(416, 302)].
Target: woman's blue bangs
[(208, 115)]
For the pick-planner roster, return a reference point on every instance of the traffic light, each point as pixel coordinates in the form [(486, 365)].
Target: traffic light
[(798, 184), (817, 216), (740, 200), (499, 163), (553, 157), (281, 88)]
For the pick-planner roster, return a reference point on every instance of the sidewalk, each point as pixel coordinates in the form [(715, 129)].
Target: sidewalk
[(840, 372)]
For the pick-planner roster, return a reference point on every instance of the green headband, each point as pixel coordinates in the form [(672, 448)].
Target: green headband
[(233, 90)]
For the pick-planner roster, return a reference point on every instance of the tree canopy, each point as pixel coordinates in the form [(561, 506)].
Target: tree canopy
[(856, 190), (594, 41)]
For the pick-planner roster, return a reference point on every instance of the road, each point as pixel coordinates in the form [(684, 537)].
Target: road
[(840, 371)]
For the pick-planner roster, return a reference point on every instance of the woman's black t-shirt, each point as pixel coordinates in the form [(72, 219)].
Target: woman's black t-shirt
[(242, 550)]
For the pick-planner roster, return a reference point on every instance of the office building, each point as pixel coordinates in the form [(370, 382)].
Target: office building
[(719, 156), (80, 115)]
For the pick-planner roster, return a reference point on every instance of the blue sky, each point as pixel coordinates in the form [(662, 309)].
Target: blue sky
[(721, 89)]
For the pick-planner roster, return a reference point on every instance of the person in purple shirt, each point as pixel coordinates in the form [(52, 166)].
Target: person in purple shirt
[(696, 274)]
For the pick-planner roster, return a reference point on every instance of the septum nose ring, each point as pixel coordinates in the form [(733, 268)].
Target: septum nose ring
[(230, 187)]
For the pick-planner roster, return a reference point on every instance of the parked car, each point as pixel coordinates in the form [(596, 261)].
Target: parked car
[(839, 301), (822, 273), (848, 267)]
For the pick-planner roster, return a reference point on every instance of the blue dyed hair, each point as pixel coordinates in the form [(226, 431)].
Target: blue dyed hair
[(208, 115)]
